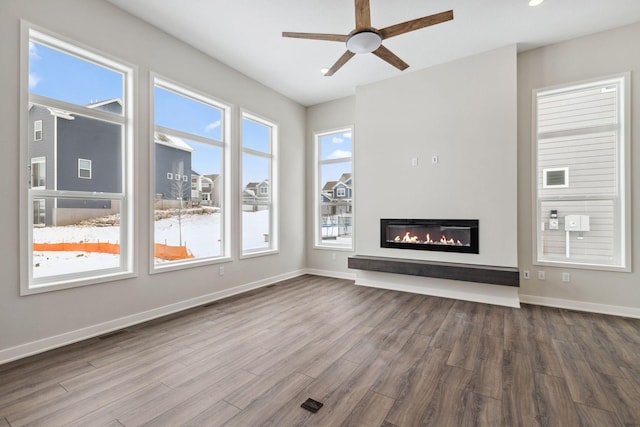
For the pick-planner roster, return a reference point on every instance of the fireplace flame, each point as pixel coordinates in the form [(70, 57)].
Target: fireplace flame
[(408, 238)]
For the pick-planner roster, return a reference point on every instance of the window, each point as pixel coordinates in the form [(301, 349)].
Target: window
[(334, 189), (581, 146), (37, 130), (39, 173), (259, 190), (84, 168), (59, 251), (190, 150)]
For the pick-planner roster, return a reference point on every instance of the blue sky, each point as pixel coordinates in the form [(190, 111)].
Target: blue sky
[(60, 76)]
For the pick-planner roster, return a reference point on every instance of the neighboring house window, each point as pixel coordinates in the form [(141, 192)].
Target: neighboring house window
[(191, 137), (582, 184), (37, 130), (334, 170), (38, 173), (84, 168), (62, 202), (259, 207)]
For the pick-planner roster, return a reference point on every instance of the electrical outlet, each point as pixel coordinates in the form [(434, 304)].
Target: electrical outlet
[(566, 277), (333, 256), (526, 274), (541, 275), (221, 270)]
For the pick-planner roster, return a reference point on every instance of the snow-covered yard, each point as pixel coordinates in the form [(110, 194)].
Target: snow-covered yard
[(200, 233)]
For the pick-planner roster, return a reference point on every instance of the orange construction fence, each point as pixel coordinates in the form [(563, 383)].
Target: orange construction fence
[(171, 253), (163, 251), (105, 248)]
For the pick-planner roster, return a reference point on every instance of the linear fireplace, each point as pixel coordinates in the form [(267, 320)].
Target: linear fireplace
[(450, 235)]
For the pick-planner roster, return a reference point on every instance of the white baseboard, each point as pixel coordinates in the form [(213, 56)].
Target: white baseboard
[(476, 292), (591, 307), (49, 343), (329, 273)]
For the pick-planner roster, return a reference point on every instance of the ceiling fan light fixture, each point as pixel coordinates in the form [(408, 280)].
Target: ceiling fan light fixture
[(364, 42), (535, 2)]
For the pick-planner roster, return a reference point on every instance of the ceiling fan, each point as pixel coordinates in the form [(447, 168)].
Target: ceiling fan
[(367, 39)]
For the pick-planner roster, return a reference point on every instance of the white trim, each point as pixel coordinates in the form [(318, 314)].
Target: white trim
[(49, 343), (591, 307), (466, 291)]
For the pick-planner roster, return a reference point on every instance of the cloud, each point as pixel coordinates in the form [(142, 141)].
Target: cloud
[(347, 135), (212, 126), (339, 154), (337, 140), (33, 51), (34, 79)]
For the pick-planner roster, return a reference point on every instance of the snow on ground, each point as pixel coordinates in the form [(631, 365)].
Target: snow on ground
[(200, 233)]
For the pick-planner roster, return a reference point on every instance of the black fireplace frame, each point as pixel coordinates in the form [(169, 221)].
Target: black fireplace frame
[(472, 224)]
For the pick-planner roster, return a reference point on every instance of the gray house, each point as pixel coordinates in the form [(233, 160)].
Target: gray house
[(173, 171), (256, 196), (205, 189), (70, 152), (336, 196)]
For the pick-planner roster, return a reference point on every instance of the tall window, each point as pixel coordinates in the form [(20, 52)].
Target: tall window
[(334, 189), (259, 186), (189, 207), (582, 181), (79, 108)]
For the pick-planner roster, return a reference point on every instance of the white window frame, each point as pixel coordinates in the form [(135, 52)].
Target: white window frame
[(37, 130), (80, 168), (128, 242), (621, 200), (272, 157), (317, 190), (545, 184), (170, 176), (224, 144)]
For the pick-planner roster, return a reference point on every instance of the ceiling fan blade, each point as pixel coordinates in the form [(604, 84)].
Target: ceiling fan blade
[(317, 36), (363, 15), (416, 24), (386, 55), (339, 63)]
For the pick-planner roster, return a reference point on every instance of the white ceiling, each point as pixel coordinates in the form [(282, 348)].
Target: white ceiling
[(247, 35)]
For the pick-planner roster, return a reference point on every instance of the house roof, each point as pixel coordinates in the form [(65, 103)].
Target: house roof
[(172, 141), (328, 186)]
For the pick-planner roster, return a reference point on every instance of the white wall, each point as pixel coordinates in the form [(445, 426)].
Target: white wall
[(325, 117), (33, 323), (589, 57), (465, 113)]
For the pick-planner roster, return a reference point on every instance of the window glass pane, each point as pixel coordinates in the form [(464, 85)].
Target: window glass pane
[(336, 193), (335, 146), (188, 179), (188, 201), (256, 136), (186, 114), (85, 237), (256, 202), (64, 77)]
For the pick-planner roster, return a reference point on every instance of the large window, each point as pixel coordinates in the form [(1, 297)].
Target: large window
[(334, 189), (189, 152), (582, 181), (79, 110), (259, 186)]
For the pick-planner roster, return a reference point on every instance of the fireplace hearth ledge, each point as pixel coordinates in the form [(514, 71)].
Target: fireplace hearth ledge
[(494, 275)]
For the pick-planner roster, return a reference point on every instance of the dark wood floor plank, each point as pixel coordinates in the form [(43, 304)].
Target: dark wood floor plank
[(624, 397), (594, 417), (518, 391), (374, 357), (370, 411), (582, 383), (553, 399), (481, 411)]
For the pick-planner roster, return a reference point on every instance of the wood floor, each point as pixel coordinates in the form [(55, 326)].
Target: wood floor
[(373, 357)]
